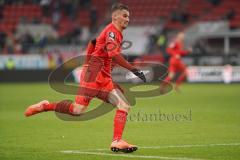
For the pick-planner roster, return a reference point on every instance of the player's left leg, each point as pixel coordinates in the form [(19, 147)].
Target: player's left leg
[(117, 98), (182, 77), (183, 73)]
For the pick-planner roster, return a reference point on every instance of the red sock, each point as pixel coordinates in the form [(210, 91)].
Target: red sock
[(64, 106), (180, 79), (167, 79), (119, 124), (165, 82), (50, 106)]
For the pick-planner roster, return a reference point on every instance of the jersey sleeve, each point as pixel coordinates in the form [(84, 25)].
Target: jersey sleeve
[(181, 50), (112, 44)]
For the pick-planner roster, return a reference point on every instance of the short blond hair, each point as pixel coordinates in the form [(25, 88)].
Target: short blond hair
[(119, 6)]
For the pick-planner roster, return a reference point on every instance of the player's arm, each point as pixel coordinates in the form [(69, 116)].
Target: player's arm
[(185, 52), (181, 49), (120, 60), (113, 47)]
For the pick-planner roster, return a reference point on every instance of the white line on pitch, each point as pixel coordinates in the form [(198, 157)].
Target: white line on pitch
[(182, 146), (190, 146), (127, 155)]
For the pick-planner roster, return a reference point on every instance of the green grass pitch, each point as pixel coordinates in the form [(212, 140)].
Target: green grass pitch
[(211, 130)]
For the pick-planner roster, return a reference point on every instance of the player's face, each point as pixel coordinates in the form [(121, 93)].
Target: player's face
[(123, 18), (181, 36)]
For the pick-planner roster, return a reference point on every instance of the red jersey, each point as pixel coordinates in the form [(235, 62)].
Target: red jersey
[(176, 50), (90, 49), (108, 45)]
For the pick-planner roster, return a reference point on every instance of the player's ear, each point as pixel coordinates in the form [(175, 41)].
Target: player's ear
[(114, 15)]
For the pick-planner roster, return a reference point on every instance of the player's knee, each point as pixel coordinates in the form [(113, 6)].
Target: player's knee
[(78, 109), (124, 106), (171, 75)]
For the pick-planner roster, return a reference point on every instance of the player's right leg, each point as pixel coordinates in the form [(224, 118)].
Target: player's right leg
[(85, 94), (164, 85), (64, 106), (170, 76), (36, 108)]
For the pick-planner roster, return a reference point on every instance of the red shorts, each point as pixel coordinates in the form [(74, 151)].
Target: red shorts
[(176, 65), (87, 92), (100, 88)]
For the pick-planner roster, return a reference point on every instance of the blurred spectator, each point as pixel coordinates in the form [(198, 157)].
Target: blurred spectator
[(10, 43), (68, 8), (23, 20), (162, 43), (60, 59), (230, 14), (41, 42), (9, 2), (10, 64), (56, 14), (26, 41), (22, 2), (180, 16), (45, 7), (215, 2), (85, 4), (36, 21), (151, 46), (184, 17), (93, 19), (174, 16), (75, 4), (18, 47), (3, 37), (51, 62), (75, 36), (1, 9)]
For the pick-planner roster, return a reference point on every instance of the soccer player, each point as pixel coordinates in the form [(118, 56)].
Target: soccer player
[(96, 79), (176, 51)]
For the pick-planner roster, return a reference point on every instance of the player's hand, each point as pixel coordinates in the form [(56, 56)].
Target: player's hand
[(139, 74)]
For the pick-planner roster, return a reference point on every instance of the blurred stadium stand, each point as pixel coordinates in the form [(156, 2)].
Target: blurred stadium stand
[(60, 29)]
